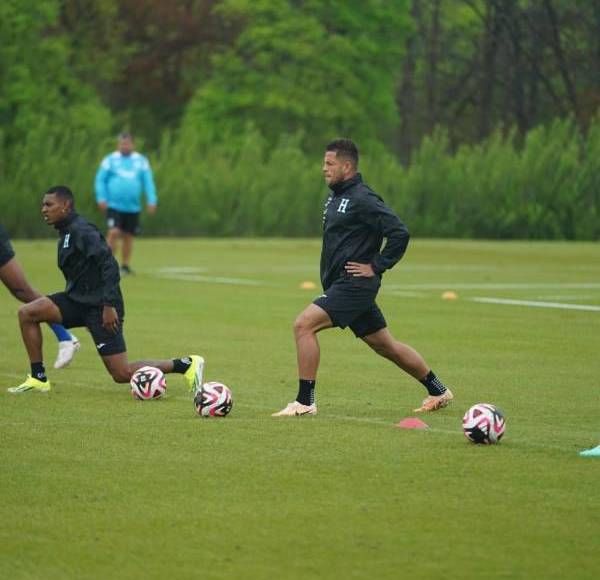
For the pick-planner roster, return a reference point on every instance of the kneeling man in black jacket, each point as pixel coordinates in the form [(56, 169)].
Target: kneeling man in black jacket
[(92, 298)]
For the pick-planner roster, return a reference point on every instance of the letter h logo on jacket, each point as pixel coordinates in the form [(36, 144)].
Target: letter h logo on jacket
[(343, 205)]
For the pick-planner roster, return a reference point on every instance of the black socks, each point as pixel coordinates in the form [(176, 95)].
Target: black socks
[(38, 371), (180, 365), (306, 392), (306, 388), (434, 386)]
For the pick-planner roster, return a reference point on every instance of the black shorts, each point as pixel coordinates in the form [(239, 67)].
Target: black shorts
[(77, 314), (6, 250), (123, 220), (350, 302)]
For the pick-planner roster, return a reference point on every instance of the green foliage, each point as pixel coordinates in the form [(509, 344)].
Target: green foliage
[(37, 85), (249, 189), (547, 189), (95, 34), (587, 186), (43, 159), (263, 85), (323, 69), (53, 124)]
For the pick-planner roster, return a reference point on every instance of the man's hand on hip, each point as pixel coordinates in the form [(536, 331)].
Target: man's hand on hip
[(359, 270)]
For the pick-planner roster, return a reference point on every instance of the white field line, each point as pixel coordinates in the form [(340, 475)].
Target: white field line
[(191, 274), (179, 270), (211, 279), (535, 304), (562, 297), (448, 268), (197, 274), (495, 286), (267, 410), (407, 294)]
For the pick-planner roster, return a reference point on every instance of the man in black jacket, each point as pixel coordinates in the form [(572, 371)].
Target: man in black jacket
[(92, 298), (355, 223)]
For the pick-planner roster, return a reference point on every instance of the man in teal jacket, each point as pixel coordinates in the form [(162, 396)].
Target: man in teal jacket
[(120, 181)]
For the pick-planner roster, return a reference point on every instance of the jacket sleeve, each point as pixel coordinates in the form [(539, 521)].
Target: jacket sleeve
[(101, 181), (383, 220), (148, 181), (95, 248)]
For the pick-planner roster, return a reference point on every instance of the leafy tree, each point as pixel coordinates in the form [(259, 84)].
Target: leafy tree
[(319, 68), (36, 80), (95, 33), (164, 53), (475, 65)]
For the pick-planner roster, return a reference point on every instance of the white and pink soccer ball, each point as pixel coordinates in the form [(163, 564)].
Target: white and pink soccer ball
[(148, 383), (213, 400), (484, 423)]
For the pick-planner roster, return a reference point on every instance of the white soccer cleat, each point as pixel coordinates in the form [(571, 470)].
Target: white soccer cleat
[(66, 352), (296, 409), (433, 403)]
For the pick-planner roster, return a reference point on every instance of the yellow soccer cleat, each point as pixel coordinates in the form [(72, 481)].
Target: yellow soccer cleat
[(31, 384), (193, 376)]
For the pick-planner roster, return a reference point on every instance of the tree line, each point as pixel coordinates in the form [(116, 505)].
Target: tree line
[(197, 81)]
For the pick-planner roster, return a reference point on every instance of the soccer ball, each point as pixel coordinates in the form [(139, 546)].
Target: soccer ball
[(148, 383), (213, 400), (484, 423)]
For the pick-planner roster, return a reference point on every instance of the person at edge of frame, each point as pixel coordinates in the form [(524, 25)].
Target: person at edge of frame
[(13, 277)]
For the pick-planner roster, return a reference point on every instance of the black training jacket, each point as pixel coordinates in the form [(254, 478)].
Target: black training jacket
[(91, 271), (355, 222)]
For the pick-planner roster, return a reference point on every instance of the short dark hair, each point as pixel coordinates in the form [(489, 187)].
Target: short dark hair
[(344, 148), (125, 135), (63, 192)]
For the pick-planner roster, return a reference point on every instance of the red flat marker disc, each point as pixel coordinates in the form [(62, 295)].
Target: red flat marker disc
[(412, 423)]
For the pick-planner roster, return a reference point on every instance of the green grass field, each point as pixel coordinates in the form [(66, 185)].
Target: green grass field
[(95, 485)]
